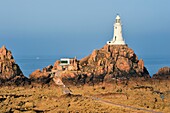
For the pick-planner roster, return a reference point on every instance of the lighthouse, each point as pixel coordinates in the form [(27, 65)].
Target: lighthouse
[(117, 36)]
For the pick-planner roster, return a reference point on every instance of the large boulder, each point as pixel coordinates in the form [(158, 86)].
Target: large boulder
[(163, 73), (10, 72)]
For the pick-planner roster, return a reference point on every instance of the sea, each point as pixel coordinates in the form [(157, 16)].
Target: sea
[(28, 64)]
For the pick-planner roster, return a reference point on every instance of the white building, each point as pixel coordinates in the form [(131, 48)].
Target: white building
[(64, 61), (117, 36)]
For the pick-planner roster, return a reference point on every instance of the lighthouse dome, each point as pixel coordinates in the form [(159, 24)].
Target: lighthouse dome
[(117, 17)]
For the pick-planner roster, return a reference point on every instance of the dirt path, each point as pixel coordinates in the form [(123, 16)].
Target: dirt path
[(67, 92), (115, 104), (124, 106)]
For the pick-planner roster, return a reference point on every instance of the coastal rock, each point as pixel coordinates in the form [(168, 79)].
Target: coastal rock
[(163, 73), (115, 61), (37, 74), (41, 76), (57, 66), (106, 64), (123, 64), (47, 69), (10, 72), (73, 66)]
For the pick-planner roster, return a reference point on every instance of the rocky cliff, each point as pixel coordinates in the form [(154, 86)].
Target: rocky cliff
[(108, 63), (163, 73), (10, 73), (114, 61)]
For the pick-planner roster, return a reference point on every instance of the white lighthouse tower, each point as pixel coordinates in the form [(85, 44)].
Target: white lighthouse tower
[(117, 37)]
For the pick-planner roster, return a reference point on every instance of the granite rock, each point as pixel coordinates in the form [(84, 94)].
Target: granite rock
[(163, 73), (10, 72)]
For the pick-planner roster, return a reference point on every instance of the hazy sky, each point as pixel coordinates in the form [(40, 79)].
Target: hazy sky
[(76, 27)]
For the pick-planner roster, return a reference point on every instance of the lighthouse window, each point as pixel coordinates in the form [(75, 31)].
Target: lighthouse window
[(115, 27), (117, 20)]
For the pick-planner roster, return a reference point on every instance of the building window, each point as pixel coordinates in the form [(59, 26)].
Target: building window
[(64, 61)]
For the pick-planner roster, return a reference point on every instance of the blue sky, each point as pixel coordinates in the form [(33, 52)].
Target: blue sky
[(77, 27)]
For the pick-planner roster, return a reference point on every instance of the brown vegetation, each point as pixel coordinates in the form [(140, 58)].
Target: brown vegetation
[(106, 97)]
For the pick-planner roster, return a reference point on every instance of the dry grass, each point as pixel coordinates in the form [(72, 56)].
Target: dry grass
[(50, 99)]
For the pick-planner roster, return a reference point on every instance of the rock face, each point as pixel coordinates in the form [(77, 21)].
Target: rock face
[(163, 73), (10, 72), (41, 76), (74, 65), (110, 62), (114, 61)]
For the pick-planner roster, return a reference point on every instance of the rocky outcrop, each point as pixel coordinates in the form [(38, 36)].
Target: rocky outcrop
[(10, 73), (73, 66), (114, 61), (108, 63), (163, 73), (43, 76)]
